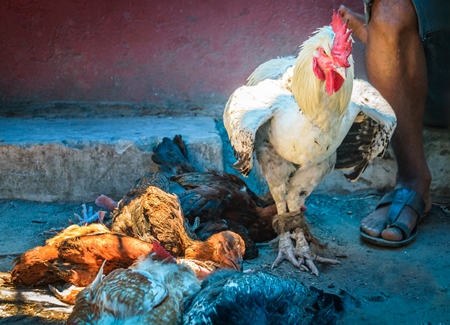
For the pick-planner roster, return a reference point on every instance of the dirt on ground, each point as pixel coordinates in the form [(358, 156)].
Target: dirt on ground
[(409, 285)]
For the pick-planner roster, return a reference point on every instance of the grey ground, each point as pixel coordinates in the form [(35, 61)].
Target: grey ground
[(409, 285)]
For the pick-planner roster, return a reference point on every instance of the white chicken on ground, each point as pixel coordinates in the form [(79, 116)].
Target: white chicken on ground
[(148, 292), (302, 117)]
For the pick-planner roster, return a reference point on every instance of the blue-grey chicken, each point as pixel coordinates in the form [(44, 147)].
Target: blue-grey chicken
[(235, 298)]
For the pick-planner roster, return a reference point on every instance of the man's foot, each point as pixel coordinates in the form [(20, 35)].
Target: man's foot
[(356, 22), (394, 222)]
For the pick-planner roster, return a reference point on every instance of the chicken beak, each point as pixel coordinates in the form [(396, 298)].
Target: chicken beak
[(342, 71), (237, 263), (240, 264)]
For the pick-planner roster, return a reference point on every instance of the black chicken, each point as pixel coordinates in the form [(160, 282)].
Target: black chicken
[(236, 298)]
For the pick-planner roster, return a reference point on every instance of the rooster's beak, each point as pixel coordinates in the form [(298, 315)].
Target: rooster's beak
[(342, 71)]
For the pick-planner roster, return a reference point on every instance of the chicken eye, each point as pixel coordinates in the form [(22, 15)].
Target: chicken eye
[(227, 248), (323, 51)]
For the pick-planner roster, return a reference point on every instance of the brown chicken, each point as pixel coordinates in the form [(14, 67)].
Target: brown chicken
[(76, 255), (221, 201), (222, 198), (156, 215), (149, 292)]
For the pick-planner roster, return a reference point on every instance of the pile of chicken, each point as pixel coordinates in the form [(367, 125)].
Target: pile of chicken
[(147, 225), (148, 220)]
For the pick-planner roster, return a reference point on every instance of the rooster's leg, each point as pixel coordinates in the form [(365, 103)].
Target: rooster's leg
[(190, 230)]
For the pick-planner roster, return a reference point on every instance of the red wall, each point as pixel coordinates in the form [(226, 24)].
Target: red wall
[(164, 51)]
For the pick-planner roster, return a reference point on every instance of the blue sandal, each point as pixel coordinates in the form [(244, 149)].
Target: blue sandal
[(398, 199)]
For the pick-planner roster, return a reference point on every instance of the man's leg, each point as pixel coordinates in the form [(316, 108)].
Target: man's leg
[(396, 66)]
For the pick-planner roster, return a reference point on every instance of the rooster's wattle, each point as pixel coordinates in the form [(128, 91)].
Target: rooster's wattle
[(295, 115)]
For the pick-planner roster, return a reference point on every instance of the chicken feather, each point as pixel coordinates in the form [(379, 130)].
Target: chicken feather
[(149, 292), (263, 299)]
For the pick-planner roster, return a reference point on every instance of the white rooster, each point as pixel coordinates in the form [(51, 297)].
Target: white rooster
[(302, 117)]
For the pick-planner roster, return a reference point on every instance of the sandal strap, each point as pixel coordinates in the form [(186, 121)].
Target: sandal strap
[(398, 199)]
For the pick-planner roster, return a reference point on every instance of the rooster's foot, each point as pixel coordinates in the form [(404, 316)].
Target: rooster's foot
[(300, 256), (88, 216), (190, 230), (286, 251), (305, 256)]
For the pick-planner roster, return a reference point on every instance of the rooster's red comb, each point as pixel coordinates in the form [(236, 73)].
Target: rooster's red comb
[(342, 46)]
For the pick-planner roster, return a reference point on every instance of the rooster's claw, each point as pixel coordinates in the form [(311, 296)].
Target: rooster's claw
[(300, 256), (88, 216)]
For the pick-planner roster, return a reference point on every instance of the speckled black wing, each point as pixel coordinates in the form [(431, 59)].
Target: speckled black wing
[(370, 133), (354, 152)]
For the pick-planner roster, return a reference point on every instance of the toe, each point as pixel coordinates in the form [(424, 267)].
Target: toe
[(375, 223), (373, 232), (373, 227), (392, 234), (310, 264), (408, 218)]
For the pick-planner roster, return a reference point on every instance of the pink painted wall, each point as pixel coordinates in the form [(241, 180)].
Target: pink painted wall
[(168, 51)]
